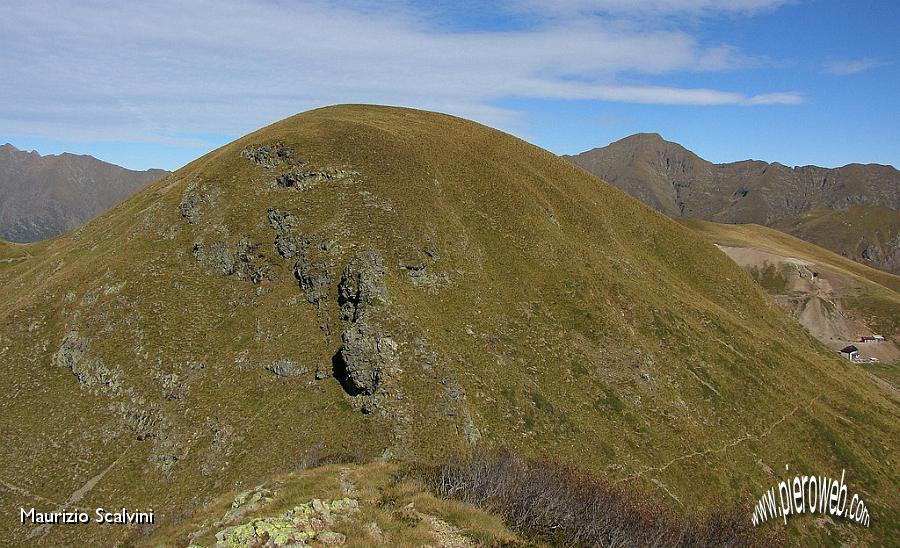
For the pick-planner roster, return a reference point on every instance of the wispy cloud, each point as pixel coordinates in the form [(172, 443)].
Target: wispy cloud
[(852, 66), (161, 70)]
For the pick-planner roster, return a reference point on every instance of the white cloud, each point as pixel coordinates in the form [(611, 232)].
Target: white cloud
[(157, 71), (651, 7), (788, 98), (852, 66)]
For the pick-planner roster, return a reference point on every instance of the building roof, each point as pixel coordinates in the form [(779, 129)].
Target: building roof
[(849, 349)]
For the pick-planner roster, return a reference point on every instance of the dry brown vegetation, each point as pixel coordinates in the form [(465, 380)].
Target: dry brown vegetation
[(567, 507)]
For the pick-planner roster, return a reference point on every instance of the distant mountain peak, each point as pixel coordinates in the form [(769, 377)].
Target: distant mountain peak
[(43, 196), (650, 137), (677, 182)]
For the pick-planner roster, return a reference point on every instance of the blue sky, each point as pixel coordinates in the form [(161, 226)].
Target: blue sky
[(156, 84)]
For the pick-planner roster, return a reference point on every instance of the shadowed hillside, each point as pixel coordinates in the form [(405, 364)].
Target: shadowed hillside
[(385, 283)]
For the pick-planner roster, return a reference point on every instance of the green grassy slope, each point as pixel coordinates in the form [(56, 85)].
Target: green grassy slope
[(527, 306)]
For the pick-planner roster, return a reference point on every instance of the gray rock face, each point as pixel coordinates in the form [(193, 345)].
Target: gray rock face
[(269, 156), (306, 180), (314, 278), (312, 269), (243, 260), (362, 285), (872, 253), (215, 256), (287, 368), (365, 352), (288, 241), (70, 351)]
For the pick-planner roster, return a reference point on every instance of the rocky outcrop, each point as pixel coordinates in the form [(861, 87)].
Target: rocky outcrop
[(269, 156), (192, 203), (313, 277), (143, 421), (312, 267), (289, 242), (242, 260), (215, 256), (362, 285), (365, 352), (309, 179), (419, 268), (92, 373), (70, 351)]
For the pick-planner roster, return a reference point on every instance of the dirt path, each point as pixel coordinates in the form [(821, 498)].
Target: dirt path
[(78, 494), (347, 485), (25, 493), (726, 447), (888, 387), (448, 536)]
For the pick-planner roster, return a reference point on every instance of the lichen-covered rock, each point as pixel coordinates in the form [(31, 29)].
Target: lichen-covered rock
[(362, 285), (287, 368), (365, 352), (306, 524), (270, 155), (262, 532), (248, 501)]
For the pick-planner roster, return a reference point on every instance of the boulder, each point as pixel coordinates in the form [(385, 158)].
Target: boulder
[(287, 368)]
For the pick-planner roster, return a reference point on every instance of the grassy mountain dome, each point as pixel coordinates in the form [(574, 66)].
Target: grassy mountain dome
[(390, 283)]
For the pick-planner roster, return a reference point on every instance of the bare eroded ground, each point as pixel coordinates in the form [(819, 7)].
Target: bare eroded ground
[(815, 296)]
